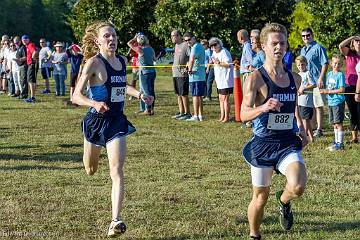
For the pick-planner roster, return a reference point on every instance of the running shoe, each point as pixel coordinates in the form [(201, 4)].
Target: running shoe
[(186, 116), (30, 100), (193, 119), (318, 133), (116, 228), (337, 147), (286, 215), (45, 91), (176, 116), (255, 237)]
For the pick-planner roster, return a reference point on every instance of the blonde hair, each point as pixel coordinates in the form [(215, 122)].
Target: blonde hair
[(89, 46), (301, 59), (270, 28)]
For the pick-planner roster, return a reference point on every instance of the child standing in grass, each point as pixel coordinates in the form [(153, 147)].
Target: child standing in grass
[(305, 100), (335, 84)]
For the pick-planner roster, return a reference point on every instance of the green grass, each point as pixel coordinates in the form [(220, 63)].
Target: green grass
[(183, 180)]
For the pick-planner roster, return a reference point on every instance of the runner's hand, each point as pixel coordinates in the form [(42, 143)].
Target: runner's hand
[(147, 99), (101, 107), (272, 105)]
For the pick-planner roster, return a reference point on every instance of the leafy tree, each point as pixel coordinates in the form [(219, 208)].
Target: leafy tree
[(334, 20), (300, 19), (37, 18), (220, 18), (128, 16)]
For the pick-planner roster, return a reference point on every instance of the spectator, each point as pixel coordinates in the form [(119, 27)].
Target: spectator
[(209, 70), (140, 44), (134, 68), (31, 62), (335, 84), (59, 59), (224, 76), (21, 61), (350, 48), (197, 75), (14, 71), (305, 100), (254, 33), (259, 58), (180, 75), (45, 64), (4, 73), (247, 54), (75, 56), (288, 58), (317, 59)]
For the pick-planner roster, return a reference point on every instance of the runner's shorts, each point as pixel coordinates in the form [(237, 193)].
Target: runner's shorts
[(268, 152), (100, 130)]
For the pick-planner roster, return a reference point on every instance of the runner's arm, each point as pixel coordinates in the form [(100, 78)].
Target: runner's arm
[(89, 73), (251, 89)]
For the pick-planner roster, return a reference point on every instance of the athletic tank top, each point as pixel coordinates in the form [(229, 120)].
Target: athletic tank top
[(277, 124), (113, 91)]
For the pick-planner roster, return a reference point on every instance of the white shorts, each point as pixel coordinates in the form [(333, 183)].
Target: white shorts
[(261, 177), (319, 99)]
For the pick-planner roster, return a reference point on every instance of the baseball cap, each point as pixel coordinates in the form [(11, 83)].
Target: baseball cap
[(25, 37)]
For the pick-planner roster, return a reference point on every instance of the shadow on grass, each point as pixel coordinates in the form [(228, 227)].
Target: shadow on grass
[(19, 147), (45, 157), (27, 167), (70, 145), (204, 236), (314, 226)]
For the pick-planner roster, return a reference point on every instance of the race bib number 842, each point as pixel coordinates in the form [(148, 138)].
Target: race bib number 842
[(118, 94), (280, 121)]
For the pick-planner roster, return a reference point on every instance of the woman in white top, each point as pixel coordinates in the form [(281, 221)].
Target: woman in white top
[(14, 70), (224, 76)]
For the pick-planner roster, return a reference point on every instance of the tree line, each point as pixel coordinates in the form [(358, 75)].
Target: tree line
[(66, 20)]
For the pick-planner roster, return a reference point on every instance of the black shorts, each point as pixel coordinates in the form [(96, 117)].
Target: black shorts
[(337, 113), (31, 77), (181, 86), (73, 78), (306, 113), (225, 91), (45, 73)]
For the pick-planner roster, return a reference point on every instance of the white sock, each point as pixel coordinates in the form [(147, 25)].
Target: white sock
[(336, 135), (340, 138)]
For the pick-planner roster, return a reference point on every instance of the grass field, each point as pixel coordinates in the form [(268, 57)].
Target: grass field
[(183, 180)]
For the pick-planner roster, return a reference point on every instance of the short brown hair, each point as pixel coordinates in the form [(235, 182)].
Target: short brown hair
[(270, 28)]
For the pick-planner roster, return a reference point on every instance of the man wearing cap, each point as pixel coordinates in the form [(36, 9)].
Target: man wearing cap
[(75, 56), (30, 61)]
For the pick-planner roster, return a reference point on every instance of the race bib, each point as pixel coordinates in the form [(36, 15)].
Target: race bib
[(118, 94), (280, 121)]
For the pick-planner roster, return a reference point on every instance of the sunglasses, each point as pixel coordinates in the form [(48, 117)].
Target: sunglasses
[(187, 40), (12, 45), (213, 45), (306, 35), (42, 42)]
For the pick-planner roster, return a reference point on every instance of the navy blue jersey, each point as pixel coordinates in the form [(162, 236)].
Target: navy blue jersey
[(277, 124), (114, 89)]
